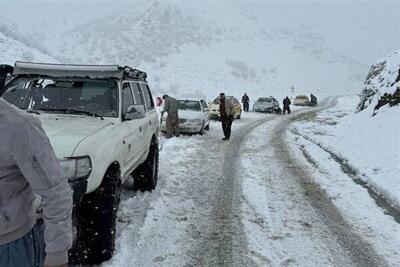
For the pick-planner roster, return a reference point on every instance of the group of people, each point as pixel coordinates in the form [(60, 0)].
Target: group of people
[(171, 107)]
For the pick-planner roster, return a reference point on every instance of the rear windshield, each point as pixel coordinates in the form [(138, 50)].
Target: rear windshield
[(99, 97), (265, 99), (189, 105), (301, 97)]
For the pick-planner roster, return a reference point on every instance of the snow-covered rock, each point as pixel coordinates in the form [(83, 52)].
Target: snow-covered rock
[(383, 78)]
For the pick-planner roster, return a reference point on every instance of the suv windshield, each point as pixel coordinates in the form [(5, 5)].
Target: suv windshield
[(216, 101), (90, 97), (189, 105)]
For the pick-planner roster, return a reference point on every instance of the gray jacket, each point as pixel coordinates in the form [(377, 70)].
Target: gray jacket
[(171, 106), (28, 166)]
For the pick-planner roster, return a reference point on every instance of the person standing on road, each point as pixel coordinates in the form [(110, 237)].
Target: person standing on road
[(246, 102), (28, 166), (227, 113), (286, 105), (313, 100), (172, 122)]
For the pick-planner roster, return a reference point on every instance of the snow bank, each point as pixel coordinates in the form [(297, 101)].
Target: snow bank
[(371, 145)]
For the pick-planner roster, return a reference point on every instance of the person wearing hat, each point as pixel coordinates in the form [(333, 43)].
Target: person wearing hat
[(226, 113), (172, 122)]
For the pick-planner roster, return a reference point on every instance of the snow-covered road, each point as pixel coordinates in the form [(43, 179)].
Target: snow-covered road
[(246, 202)]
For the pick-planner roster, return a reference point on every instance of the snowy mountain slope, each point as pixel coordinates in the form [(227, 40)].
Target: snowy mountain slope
[(12, 50), (17, 46), (191, 49)]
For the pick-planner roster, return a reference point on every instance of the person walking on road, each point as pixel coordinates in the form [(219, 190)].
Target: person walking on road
[(246, 102), (172, 122), (286, 105), (29, 167), (226, 112)]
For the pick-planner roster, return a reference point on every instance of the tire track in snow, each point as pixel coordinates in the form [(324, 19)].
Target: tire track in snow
[(360, 251), (223, 241)]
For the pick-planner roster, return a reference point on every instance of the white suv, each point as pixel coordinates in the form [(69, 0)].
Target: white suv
[(103, 126)]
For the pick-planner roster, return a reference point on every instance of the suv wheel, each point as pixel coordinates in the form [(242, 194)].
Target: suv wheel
[(96, 220), (146, 175)]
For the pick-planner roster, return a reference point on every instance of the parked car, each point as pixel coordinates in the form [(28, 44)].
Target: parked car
[(104, 129), (193, 116), (214, 108), (266, 104), (301, 100)]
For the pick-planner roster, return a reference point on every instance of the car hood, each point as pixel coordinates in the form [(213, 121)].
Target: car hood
[(190, 115), (214, 106), (66, 132)]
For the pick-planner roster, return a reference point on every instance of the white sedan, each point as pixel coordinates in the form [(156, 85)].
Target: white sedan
[(193, 117)]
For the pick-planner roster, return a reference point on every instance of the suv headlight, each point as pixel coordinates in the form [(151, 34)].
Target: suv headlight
[(76, 168)]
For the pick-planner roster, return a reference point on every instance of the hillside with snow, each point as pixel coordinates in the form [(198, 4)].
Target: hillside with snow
[(193, 49), (16, 46)]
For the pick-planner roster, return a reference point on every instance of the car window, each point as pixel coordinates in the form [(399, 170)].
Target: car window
[(189, 105), (127, 97), (147, 96), (204, 104), (137, 94)]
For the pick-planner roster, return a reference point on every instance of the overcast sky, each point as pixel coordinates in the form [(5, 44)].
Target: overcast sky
[(363, 30)]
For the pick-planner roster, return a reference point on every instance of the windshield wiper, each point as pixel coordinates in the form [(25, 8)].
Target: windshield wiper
[(72, 111)]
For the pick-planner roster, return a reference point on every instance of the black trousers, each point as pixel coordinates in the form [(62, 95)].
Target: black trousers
[(226, 126), (246, 106), (286, 108)]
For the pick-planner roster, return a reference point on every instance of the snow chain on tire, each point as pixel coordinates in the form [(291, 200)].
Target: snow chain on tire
[(96, 221)]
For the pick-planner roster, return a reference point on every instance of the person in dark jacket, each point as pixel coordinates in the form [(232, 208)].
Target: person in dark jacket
[(246, 102), (227, 112), (286, 105), (313, 99)]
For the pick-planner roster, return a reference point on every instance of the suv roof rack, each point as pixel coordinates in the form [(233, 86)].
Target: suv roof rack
[(78, 71)]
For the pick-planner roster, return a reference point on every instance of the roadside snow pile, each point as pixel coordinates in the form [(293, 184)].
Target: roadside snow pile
[(369, 145), (382, 85)]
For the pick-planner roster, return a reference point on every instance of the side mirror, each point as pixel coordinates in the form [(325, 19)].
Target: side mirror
[(135, 112)]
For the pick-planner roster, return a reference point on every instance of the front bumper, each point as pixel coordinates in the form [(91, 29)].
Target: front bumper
[(79, 188), (185, 127), (264, 109)]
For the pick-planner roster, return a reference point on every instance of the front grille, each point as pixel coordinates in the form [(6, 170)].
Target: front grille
[(182, 120)]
